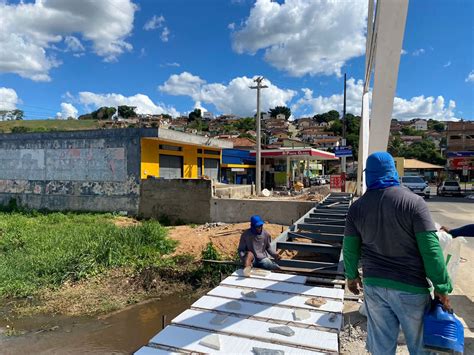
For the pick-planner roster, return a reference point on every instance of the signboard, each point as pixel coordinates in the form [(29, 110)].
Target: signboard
[(335, 181), (465, 171), (343, 151), (237, 169)]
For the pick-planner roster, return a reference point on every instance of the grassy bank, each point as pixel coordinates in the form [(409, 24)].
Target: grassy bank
[(39, 251), (48, 125)]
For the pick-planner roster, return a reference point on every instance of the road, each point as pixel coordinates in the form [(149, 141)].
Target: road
[(454, 212)]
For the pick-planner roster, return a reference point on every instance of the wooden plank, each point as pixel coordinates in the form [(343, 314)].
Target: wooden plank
[(188, 339), (276, 298), (271, 276), (318, 237), (310, 247), (284, 287), (268, 312), (310, 338)]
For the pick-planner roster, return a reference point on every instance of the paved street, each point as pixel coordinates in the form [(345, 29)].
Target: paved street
[(454, 212)]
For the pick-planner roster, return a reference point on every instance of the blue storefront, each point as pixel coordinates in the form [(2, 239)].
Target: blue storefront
[(237, 167)]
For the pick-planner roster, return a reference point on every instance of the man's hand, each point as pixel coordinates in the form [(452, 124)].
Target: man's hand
[(277, 257), (444, 299), (445, 229), (355, 285)]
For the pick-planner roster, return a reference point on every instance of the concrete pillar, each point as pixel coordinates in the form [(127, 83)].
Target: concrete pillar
[(288, 171)]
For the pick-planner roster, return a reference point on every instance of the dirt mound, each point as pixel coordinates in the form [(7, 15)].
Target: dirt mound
[(225, 237)]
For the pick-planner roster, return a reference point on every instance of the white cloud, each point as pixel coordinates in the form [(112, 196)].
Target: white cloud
[(231, 26), (403, 52), (403, 109), (235, 97), (67, 110), (305, 36), (30, 30), (154, 23), (448, 64), (418, 52), (172, 64), (73, 44), (165, 34), (470, 77), (8, 99), (142, 53), (142, 102)]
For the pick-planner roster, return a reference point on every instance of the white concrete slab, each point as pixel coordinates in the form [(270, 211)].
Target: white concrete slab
[(276, 298), (147, 350), (272, 285), (311, 338), (321, 319), (188, 339), (272, 276)]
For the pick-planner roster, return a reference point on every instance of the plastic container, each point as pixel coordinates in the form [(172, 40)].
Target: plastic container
[(442, 331)]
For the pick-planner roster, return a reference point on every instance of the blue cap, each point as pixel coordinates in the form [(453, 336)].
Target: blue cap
[(256, 221)]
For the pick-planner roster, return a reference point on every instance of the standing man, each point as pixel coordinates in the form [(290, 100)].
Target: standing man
[(255, 246), (391, 231)]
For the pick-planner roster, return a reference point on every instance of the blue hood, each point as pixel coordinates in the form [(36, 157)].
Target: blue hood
[(380, 171), (255, 222)]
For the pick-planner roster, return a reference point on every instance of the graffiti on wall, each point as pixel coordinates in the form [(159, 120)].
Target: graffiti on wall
[(74, 164)]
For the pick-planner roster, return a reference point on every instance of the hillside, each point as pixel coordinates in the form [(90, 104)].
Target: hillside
[(49, 125)]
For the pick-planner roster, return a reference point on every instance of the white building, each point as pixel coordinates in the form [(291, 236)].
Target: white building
[(281, 116), (207, 115), (420, 125)]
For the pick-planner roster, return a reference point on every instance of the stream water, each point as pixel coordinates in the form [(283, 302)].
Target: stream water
[(122, 332)]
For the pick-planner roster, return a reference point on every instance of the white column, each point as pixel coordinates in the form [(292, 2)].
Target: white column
[(363, 145), (389, 33)]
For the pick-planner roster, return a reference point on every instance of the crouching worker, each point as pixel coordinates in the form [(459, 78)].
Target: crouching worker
[(255, 247)]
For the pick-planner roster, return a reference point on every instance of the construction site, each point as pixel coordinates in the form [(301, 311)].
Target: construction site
[(132, 240)]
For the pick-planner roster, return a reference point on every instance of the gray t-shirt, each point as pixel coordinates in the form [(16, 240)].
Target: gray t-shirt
[(259, 245), (387, 220)]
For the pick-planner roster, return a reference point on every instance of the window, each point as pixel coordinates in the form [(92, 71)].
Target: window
[(199, 151), (412, 180), (171, 167), (457, 136), (212, 152), (200, 167), (171, 147)]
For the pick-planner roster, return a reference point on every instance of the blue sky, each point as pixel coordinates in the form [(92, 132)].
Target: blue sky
[(61, 58)]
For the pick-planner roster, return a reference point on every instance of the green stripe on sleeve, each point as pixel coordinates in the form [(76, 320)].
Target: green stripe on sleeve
[(351, 250), (433, 260)]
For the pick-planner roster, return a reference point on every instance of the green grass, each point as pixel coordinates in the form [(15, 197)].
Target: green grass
[(49, 125), (45, 250)]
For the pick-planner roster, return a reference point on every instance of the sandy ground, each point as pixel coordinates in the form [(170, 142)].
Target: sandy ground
[(225, 237)]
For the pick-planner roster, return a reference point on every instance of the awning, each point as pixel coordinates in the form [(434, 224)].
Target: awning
[(297, 153)]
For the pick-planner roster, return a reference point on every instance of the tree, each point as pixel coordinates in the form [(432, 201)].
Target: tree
[(425, 151), (10, 115), (280, 109), (194, 115), (245, 124), (102, 113), (125, 111), (395, 146), (327, 116)]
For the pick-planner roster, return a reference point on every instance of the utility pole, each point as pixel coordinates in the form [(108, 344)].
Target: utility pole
[(258, 182), (344, 124)]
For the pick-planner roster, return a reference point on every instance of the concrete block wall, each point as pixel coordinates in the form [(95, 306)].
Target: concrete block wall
[(177, 200), (273, 211), (97, 170)]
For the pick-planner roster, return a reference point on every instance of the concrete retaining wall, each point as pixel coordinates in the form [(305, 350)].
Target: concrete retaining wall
[(97, 170), (177, 200), (233, 191), (273, 211)]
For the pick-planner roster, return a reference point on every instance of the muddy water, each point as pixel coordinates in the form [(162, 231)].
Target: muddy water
[(119, 333)]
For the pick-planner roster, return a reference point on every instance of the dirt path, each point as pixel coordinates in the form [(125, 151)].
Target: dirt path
[(225, 237)]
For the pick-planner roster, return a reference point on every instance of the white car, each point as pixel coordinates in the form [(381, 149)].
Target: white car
[(417, 185), (449, 187)]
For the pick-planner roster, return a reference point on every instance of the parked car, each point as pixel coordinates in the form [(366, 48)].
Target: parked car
[(417, 185), (449, 187)]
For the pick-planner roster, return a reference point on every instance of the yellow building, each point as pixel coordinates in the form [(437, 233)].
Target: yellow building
[(174, 155)]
